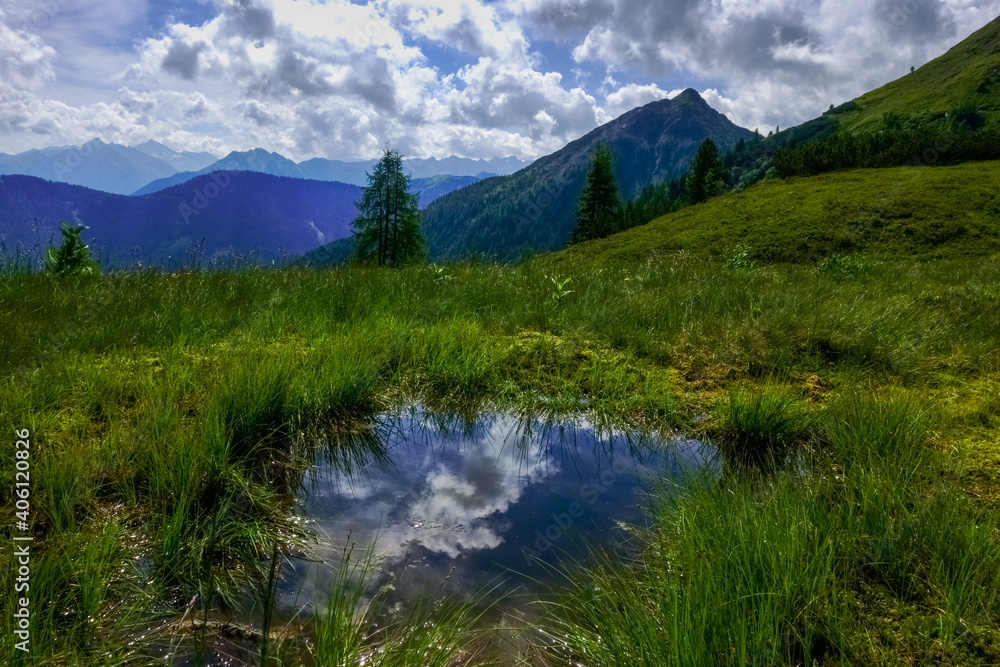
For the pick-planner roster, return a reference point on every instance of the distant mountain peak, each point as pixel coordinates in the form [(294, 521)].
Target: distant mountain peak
[(110, 167), (152, 144), (181, 161)]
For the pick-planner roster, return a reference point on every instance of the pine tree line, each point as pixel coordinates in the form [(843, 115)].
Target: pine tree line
[(600, 211)]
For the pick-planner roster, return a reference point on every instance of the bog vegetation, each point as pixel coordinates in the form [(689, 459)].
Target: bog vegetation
[(166, 412)]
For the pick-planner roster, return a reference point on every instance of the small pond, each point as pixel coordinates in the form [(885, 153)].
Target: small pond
[(474, 503)]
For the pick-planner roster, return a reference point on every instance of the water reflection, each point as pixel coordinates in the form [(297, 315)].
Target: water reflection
[(474, 498)]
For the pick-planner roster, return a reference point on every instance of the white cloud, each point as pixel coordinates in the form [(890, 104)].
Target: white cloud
[(468, 25), (448, 503), (25, 63), (780, 60), (633, 95), (341, 79)]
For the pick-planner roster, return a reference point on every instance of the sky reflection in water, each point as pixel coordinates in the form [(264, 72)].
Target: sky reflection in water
[(479, 500)]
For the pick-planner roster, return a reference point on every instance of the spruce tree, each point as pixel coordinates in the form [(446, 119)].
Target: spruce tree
[(599, 209), (387, 232), (708, 174)]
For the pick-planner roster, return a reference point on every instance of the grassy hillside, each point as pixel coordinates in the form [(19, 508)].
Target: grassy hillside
[(913, 212), (966, 79), (949, 107)]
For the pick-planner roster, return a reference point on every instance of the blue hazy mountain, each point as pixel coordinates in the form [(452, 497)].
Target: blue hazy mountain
[(433, 187), (96, 164), (355, 173), (213, 216), (151, 166), (179, 160)]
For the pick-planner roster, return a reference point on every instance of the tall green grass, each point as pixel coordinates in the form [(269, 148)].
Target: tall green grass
[(786, 569), (355, 627), (760, 428), (173, 416)]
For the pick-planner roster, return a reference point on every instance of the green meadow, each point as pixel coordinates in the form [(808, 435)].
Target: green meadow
[(848, 370)]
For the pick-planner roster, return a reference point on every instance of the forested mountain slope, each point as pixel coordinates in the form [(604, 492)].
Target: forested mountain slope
[(533, 209)]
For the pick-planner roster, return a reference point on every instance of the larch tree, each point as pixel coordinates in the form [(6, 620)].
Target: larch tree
[(387, 232), (599, 209)]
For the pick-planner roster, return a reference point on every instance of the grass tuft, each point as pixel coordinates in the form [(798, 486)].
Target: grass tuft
[(759, 428)]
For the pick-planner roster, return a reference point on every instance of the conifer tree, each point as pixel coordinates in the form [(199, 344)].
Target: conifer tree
[(599, 209), (73, 256), (708, 173), (387, 232)]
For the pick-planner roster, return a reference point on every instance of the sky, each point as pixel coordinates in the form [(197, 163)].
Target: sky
[(473, 78)]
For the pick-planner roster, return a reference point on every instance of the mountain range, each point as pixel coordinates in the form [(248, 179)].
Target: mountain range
[(533, 209), (212, 217), (321, 169), (269, 208), (224, 212), (152, 166), (109, 167)]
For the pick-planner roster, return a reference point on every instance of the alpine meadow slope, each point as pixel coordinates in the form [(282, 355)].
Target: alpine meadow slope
[(945, 110), (960, 87), (946, 212)]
